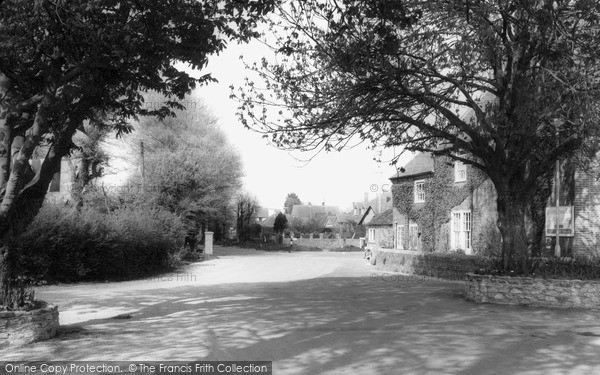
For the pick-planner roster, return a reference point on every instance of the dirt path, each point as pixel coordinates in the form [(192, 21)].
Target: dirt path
[(313, 313)]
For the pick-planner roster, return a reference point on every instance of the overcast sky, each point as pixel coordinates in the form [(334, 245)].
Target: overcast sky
[(336, 178)]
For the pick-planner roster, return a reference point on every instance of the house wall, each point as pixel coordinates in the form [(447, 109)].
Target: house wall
[(587, 215), (122, 166), (63, 194), (441, 195), (384, 238)]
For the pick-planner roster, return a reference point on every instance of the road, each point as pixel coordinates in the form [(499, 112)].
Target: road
[(312, 313)]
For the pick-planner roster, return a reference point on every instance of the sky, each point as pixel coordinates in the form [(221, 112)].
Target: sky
[(336, 178)]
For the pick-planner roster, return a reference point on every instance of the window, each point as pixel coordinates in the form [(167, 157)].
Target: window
[(413, 237), (371, 235), (460, 170), (400, 237), (461, 230), (419, 191)]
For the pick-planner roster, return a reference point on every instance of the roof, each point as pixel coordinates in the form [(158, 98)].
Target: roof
[(383, 219), (365, 215), (261, 212), (304, 211), (421, 164), (270, 221)]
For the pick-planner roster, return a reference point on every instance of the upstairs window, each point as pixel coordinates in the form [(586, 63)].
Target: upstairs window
[(460, 170), (419, 191)]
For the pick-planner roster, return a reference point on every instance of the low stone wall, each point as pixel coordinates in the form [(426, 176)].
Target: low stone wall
[(326, 243), (530, 291), (23, 327), (440, 265)]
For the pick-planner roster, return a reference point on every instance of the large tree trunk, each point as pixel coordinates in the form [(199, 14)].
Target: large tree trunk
[(17, 212), (511, 222)]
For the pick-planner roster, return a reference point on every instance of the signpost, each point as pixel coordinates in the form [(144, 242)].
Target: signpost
[(565, 218)]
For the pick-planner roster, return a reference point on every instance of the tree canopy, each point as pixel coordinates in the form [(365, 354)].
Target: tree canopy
[(65, 62), (514, 84), (280, 223), (190, 166), (290, 201)]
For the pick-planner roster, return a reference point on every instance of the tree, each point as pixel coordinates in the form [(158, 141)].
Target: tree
[(246, 206), (290, 201), (64, 62), (279, 225), (190, 167), (514, 84)]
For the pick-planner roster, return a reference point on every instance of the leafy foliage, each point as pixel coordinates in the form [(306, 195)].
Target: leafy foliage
[(246, 206), (281, 223), (549, 268), (63, 245), (290, 201), (190, 167)]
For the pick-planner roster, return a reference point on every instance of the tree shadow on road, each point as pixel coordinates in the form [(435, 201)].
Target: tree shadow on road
[(330, 325)]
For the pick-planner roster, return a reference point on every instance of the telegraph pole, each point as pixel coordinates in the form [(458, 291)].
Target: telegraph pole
[(143, 167)]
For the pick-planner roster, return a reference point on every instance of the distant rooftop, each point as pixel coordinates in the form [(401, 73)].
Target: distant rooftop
[(304, 211)]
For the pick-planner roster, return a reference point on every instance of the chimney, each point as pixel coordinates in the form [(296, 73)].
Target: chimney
[(309, 204), (323, 204), (366, 200)]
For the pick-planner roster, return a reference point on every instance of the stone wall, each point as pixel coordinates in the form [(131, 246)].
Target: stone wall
[(325, 243), (23, 327), (532, 291)]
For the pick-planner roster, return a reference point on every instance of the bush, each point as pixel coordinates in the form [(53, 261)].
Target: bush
[(444, 265), (63, 245), (550, 268)]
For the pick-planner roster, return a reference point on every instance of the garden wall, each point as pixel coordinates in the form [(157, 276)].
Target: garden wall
[(511, 290), (23, 327), (445, 266), (326, 243)]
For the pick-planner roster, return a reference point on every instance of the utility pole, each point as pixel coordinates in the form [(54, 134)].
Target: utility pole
[(143, 167)]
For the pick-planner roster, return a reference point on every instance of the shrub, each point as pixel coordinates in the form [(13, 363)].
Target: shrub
[(63, 245), (551, 268)]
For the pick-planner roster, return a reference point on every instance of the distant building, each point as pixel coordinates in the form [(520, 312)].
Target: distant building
[(308, 211), (380, 234)]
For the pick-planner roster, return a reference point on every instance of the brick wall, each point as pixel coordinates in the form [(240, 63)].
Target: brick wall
[(383, 238), (586, 241)]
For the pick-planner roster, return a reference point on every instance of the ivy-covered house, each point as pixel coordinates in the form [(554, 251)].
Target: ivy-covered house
[(444, 205), (441, 205)]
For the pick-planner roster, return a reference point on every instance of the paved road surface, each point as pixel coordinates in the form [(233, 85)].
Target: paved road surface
[(313, 313)]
